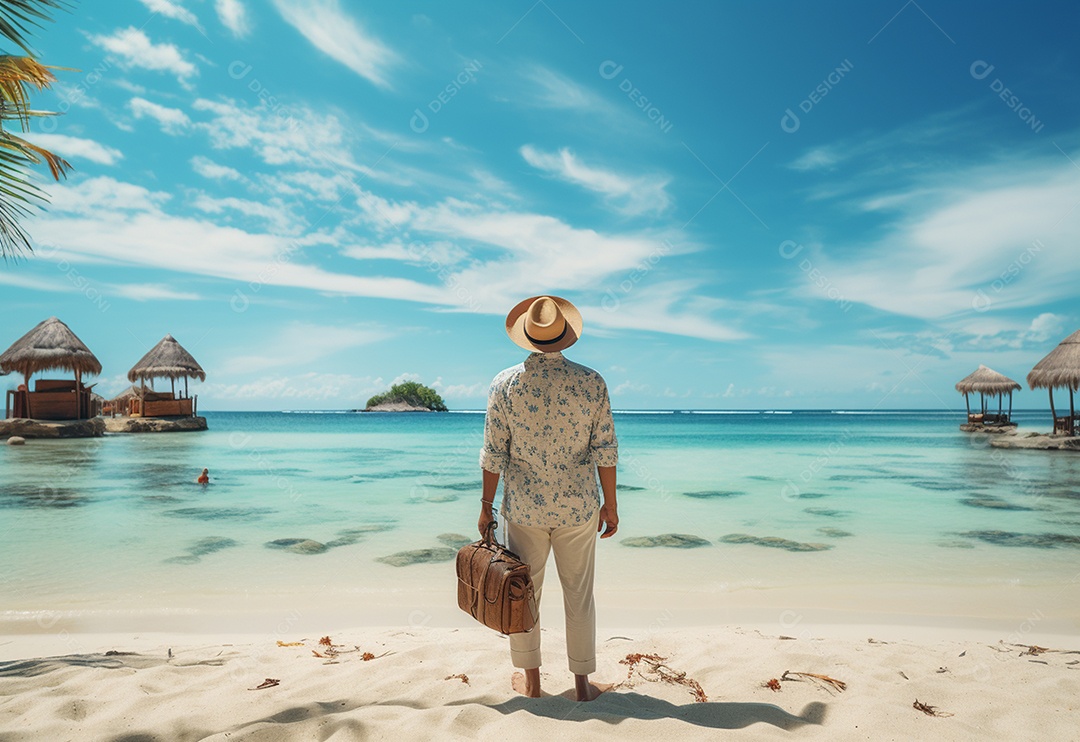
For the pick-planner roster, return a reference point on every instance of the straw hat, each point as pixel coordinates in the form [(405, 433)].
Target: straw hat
[(544, 324)]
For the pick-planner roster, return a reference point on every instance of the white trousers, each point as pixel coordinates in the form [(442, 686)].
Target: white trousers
[(575, 558)]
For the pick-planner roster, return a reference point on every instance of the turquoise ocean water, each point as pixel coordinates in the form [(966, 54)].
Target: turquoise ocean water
[(115, 531)]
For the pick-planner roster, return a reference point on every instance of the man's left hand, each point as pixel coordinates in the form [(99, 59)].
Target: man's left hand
[(609, 521)]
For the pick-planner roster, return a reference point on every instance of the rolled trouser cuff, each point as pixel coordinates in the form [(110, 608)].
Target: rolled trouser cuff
[(525, 660), (582, 667)]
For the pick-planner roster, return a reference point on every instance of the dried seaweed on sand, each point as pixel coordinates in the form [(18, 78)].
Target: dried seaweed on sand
[(289, 644), (823, 680), (771, 684), (659, 672), (928, 709), (460, 676), (268, 683)]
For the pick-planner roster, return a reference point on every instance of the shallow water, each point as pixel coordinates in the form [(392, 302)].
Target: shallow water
[(118, 524)]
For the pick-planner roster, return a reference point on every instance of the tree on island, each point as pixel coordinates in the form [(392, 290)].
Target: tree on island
[(19, 75), (410, 393)]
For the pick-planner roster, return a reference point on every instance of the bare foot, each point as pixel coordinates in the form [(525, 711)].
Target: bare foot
[(527, 683), (586, 691)]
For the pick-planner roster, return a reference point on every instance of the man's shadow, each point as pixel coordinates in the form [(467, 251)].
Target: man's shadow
[(615, 707)]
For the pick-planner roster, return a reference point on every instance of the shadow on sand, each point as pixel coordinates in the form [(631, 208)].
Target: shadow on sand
[(614, 707)]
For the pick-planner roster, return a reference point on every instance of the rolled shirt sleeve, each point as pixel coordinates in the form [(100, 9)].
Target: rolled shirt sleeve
[(495, 453), (603, 445)]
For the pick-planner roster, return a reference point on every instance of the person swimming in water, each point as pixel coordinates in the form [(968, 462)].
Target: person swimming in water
[(204, 478)]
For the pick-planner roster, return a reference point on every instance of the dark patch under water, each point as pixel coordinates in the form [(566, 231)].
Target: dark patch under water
[(420, 556), (827, 512), (457, 486), (934, 486), (629, 488), (207, 513), (1036, 540), (201, 548), (671, 540), (395, 474), (992, 503), (40, 496), (454, 540), (773, 541), (811, 495), (714, 494), (349, 536), (298, 545), (834, 532)]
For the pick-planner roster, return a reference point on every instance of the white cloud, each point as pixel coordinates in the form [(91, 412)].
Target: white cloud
[(669, 308), (339, 36), (171, 120), (549, 89), (286, 136), (992, 239), (75, 147), (234, 16), (172, 9), (633, 195), (152, 291), (1047, 326), (301, 344), (276, 216), (102, 219), (210, 169), (136, 50), (308, 390), (819, 158)]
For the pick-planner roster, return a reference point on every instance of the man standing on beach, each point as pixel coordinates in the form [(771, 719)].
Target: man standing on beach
[(549, 432)]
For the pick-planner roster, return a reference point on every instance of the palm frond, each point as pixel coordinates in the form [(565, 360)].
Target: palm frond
[(19, 18)]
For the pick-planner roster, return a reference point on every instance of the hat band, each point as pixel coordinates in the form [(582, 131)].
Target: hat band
[(534, 341)]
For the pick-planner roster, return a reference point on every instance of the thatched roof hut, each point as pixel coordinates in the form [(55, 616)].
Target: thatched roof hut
[(1060, 367), (124, 396), (987, 381), (50, 345), (169, 360)]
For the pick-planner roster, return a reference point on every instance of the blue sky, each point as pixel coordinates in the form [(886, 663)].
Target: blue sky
[(755, 205)]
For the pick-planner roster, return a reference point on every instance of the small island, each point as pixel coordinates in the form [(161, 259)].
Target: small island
[(410, 396)]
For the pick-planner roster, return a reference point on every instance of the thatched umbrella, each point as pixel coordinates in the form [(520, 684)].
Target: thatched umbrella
[(1060, 367), (168, 359), (987, 382), (51, 344)]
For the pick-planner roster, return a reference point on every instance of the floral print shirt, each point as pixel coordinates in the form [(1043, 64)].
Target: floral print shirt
[(548, 427)]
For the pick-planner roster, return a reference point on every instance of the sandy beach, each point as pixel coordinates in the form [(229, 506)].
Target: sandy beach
[(445, 683)]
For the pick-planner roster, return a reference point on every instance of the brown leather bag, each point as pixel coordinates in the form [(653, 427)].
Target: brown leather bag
[(495, 587)]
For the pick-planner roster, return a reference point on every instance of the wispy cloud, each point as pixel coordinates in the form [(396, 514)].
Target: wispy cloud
[(548, 89), (172, 9), (171, 120), (207, 168), (988, 240), (630, 194), (76, 147), (233, 14), (339, 36), (136, 50), (301, 344), (152, 292), (102, 219)]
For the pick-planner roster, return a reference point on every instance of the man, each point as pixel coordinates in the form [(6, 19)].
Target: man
[(549, 433)]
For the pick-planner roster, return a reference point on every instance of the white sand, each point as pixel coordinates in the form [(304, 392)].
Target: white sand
[(62, 686)]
